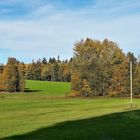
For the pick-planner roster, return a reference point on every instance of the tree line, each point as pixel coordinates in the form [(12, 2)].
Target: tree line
[(97, 68), (14, 73), (52, 70), (100, 68)]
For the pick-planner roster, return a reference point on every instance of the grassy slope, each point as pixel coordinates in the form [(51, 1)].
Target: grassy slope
[(49, 88), (36, 117)]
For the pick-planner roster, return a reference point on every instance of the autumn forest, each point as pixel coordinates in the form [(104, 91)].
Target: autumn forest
[(97, 68)]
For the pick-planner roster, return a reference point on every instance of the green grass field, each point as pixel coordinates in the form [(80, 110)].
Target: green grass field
[(44, 112), (48, 88)]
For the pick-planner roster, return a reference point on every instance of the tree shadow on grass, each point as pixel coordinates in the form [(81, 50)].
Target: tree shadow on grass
[(27, 90), (116, 126)]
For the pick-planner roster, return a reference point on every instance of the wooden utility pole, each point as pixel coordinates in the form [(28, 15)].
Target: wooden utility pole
[(131, 84)]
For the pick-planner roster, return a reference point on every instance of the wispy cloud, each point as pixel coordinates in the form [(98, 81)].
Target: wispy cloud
[(50, 28)]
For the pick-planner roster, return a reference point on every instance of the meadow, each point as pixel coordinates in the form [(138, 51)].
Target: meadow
[(44, 112)]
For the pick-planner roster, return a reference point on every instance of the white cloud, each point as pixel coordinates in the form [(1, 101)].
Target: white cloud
[(48, 32), (42, 11)]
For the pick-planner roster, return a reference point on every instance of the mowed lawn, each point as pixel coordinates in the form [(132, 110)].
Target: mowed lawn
[(49, 88), (40, 115)]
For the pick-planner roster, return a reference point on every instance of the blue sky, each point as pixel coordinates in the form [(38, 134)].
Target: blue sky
[(32, 29)]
